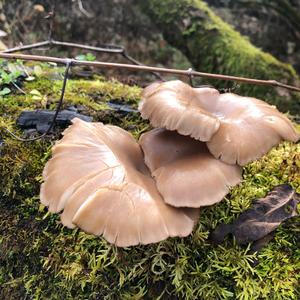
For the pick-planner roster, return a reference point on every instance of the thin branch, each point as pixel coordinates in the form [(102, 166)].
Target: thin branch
[(83, 10), (27, 47), (114, 49), (18, 88), (134, 61), (104, 49), (51, 20), (188, 72)]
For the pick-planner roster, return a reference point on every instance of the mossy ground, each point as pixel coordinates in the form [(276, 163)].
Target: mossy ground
[(40, 259)]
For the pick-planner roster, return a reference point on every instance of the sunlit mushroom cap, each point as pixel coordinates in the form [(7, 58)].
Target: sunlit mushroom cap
[(97, 176), (249, 129), (185, 172), (237, 129), (175, 105)]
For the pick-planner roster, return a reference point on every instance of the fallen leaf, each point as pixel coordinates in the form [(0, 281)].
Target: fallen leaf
[(5, 91), (265, 215)]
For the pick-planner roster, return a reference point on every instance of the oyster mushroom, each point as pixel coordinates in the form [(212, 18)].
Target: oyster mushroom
[(237, 129), (97, 176), (185, 172), (175, 105), (249, 129)]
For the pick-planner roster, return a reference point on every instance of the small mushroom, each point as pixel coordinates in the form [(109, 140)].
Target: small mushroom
[(185, 172), (97, 176), (237, 129)]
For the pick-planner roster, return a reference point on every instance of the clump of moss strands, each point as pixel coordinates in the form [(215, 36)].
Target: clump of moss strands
[(40, 259)]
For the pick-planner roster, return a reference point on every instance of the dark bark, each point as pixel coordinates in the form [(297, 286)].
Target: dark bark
[(40, 120)]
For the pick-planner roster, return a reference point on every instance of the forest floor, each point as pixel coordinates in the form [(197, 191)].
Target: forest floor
[(41, 259)]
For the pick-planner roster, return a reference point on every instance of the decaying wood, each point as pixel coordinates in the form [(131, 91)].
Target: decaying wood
[(42, 119)]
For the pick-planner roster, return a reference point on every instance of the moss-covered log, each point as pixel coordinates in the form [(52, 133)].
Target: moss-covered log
[(212, 45), (40, 259)]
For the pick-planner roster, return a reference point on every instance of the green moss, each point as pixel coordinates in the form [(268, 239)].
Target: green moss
[(93, 95), (40, 259), (213, 46)]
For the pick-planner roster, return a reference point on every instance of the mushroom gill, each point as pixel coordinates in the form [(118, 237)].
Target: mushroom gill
[(185, 172), (237, 129), (97, 176)]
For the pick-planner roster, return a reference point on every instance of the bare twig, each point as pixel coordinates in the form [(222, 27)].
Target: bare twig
[(51, 20), (134, 61), (104, 49), (188, 73), (114, 49), (27, 47), (83, 10), (18, 88)]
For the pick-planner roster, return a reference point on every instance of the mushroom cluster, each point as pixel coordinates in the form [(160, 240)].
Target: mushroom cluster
[(133, 193)]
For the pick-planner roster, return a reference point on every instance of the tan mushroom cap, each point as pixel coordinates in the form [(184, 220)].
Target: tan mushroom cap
[(98, 177), (237, 129), (185, 172), (175, 105), (249, 129)]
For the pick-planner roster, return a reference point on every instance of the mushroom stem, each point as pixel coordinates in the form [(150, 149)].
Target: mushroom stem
[(188, 72)]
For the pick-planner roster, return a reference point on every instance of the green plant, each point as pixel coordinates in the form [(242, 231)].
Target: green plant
[(87, 57), (9, 75)]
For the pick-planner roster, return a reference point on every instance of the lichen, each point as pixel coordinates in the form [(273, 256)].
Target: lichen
[(40, 259)]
